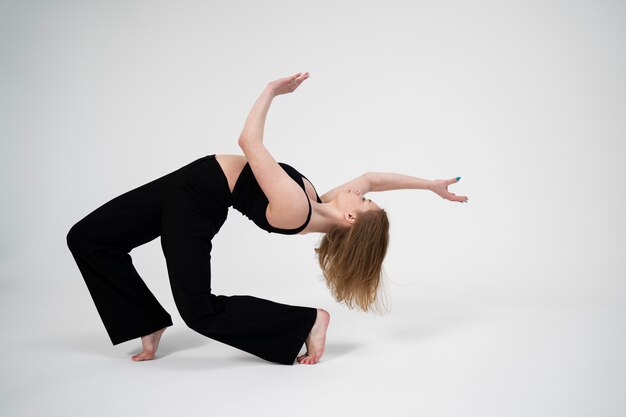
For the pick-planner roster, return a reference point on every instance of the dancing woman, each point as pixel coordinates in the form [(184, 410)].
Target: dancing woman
[(187, 207)]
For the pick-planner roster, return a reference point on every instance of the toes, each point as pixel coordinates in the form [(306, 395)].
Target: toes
[(143, 356), (308, 359)]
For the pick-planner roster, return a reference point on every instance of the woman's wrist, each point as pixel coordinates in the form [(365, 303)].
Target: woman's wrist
[(255, 122), (269, 91), (421, 183)]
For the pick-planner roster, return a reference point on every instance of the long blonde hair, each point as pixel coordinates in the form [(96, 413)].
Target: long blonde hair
[(351, 259)]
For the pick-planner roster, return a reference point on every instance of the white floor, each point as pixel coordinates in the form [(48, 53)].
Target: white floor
[(427, 357)]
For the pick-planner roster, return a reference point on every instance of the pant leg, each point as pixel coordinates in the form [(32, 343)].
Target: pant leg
[(193, 214), (100, 244)]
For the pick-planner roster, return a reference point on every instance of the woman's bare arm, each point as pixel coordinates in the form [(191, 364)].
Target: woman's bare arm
[(386, 181), (285, 197)]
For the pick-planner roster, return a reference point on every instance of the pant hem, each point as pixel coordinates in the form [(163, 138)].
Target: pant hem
[(300, 339), (139, 333)]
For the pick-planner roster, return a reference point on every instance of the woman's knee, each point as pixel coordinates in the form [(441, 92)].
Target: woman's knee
[(201, 312), (81, 242), (75, 239)]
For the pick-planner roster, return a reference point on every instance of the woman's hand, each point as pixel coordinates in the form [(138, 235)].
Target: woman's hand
[(287, 84), (440, 187)]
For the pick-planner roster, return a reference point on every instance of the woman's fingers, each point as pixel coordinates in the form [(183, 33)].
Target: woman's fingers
[(453, 197), (287, 84), (298, 80), (292, 82), (293, 78), (441, 189)]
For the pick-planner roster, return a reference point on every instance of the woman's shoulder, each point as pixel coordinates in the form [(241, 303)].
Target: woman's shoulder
[(304, 182)]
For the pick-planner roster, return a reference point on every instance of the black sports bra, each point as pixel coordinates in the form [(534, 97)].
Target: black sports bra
[(249, 199)]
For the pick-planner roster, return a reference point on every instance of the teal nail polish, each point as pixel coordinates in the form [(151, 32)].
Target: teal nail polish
[(458, 178)]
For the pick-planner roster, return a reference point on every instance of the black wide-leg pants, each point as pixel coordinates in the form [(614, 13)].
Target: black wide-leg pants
[(186, 208)]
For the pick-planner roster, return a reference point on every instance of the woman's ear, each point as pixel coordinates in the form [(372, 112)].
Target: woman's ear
[(349, 217)]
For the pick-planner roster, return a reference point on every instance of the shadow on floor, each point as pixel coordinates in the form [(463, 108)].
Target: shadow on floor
[(172, 340), (176, 345), (336, 350)]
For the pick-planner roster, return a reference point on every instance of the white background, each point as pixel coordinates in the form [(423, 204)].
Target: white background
[(510, 305)]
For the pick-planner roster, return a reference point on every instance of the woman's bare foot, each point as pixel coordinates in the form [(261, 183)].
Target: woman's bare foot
[(316, 340), (150, 343)]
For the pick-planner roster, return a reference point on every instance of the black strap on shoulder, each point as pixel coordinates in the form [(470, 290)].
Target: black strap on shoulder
[(298, 229)]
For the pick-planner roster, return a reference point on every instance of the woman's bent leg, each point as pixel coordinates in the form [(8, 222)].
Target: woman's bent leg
[(100, 244), (272, 331)]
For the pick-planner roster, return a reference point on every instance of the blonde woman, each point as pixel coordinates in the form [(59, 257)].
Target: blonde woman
[(187, 207)]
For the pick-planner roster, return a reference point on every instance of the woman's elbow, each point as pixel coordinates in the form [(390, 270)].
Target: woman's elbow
[(242, 142)]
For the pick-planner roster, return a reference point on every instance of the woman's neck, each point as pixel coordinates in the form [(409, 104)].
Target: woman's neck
[(324, 216)]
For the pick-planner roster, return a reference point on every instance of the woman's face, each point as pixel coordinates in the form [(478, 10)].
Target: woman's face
[(352, 201)]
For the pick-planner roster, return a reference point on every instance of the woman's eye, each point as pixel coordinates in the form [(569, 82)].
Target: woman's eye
[(363, 199)]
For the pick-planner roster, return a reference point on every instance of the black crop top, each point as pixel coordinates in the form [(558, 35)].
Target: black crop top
[(249, 199)]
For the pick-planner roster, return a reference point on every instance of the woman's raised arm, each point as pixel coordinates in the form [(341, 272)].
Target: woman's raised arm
[(285, 196)]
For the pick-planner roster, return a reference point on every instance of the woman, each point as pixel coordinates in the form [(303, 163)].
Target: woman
[(187, 208)]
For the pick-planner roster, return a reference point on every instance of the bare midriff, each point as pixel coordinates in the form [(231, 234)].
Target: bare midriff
[(232, 165)]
